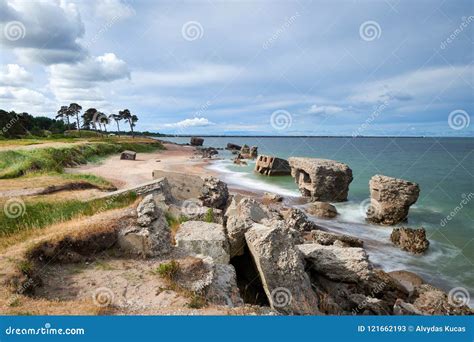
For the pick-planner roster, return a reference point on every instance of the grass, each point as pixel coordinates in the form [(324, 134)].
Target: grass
[(37, 215), (16, 163), (174, 223), (209, 217), (168, 270)]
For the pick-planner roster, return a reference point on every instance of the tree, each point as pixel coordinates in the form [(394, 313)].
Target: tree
[(73, 110), (117, 118), (131, 119), (89, 117), (103, 120), (63, 114)]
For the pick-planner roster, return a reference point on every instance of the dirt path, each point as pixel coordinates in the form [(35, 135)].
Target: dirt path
[(127, 173)]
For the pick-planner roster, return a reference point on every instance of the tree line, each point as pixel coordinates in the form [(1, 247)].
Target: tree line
[(94, 119)]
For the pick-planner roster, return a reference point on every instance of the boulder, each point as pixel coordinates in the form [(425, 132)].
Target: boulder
[(327, 239), (224, 290), (269, 197), (321, 179), (214, 193), (391, 199), (197, 237), (241, 215), (411, 240), (296, 219), (407, 279), (338, 263), (182, 186), (432, 301), (151, 237), (322, 209), (128, 155), (247, 152), (281, 269), (207, 152), (231, 146), (403, 308), (195, 141), (272, 166)]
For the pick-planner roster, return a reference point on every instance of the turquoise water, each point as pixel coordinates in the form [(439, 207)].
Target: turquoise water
[(443, 167)]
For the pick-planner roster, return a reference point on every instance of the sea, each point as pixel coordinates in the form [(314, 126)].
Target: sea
[(443, 167)]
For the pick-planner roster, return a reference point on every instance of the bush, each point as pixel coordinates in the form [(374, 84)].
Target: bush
[(168, 270)]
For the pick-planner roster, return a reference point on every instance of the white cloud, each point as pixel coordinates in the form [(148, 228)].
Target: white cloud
[(196, 122), (14, 75), (324, 110), (113, 10), (24, 100)]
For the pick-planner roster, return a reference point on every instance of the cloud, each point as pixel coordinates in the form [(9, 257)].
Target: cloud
[(45, 32), (14, 75), (196, 122), (24, 100), (324, 110), (113, 10)]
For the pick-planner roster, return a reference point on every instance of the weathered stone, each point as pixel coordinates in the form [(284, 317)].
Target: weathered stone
[(297, 219), (196, 273), (197, 237), (432, 301), (128, 155), (195, 141), (281, 269), (241, 215), (207, 152), (152, 237), (247, 152), (391, 199), (231, 146), (214, 193), (223, 290), (403, 308), (182, 186), (269, 197), (411, 240), (327, 239), (407, 279), (322, 209), (338, 263), (321, 179), (272, 166)]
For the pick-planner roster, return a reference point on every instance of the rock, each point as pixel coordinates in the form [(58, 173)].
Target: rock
[(253, 152), (128, 155), (338, 263), (231, 146), (411, 240), (239, 161), (269, 197), (214, 193), (197, 237), (247, 152), (272, 166), (207, 152), (152, 237), (327, 239), (391, 199), (297, 219), (223, 289), (281, 270), (241, 215), (195, 141), (195, 273), (182, 186), (321, 179), (432, 301), (403, 308), (322, 209), (407, 279)]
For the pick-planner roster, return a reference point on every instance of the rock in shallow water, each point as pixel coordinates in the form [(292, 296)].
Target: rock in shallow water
[(322, 209), (411, 240)]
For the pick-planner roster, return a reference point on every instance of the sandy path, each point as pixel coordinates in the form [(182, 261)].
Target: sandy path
[(127, 173)]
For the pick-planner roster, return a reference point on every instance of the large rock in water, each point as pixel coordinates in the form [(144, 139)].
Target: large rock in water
[(195, 141), (321, 179), (197, 237), (272, 166), (411, 240), (391, 199), (241, 215), (214, 193), (281, 270), (151, 237)]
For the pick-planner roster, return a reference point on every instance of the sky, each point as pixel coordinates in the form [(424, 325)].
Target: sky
[(246, 67)]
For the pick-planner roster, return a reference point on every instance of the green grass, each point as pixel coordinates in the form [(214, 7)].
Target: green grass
[(19, 162), (168, 270), (209, 217), (38, 215)]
